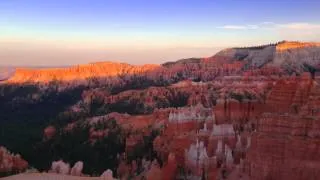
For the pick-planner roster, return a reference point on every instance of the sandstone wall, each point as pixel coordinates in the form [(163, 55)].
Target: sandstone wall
[(285, 147)]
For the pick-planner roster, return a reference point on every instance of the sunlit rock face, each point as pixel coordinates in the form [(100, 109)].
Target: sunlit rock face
[(10, 163), (104, 69), (295, 45), (121, 74), (290, 56), (294, 56)]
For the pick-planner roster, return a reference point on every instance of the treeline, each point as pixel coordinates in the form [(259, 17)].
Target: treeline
[(72, 146), (23, 119)]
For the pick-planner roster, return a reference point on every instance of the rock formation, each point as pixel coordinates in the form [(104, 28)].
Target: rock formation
[(76, 170), (107, 175), (10, 163), (287, 138), (284, 143), (197, 159), (60, 167)]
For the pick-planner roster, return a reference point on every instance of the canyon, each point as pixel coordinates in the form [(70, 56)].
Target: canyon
[(248, 113)]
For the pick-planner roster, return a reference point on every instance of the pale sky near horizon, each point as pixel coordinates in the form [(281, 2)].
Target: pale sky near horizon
[(65, 32)]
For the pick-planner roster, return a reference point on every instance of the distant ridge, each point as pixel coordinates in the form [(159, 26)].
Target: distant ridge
[(182, 61), (83, 71), (282, 44), (291, 56)]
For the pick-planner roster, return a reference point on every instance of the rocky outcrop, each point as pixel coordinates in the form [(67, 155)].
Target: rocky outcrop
[(76, 170), (60, 167), (10, 163), (197, 159)]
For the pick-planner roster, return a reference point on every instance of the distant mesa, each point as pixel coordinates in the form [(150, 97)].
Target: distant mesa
[(102, 69), (291, 56)]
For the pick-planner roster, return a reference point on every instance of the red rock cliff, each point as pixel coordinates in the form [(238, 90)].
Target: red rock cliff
[(287, 141), (104, 69)]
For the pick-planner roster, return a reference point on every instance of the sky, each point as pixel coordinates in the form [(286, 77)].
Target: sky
[(67, 32)]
